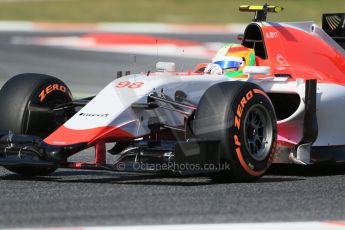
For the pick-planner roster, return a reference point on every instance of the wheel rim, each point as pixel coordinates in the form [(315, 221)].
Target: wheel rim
[(258, 132)]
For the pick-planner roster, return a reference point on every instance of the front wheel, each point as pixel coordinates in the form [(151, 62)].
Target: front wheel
[(24, 91), (241, 117)]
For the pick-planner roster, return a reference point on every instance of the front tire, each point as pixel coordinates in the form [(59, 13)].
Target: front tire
[(16, 97), (241, 117)]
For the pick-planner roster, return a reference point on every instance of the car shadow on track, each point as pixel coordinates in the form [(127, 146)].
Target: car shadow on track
[(104, 177), (276, 174), (111, 178)]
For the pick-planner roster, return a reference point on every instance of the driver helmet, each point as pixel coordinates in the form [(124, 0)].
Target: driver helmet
[(232, 58)]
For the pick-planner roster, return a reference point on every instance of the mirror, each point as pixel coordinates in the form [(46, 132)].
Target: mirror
[(165, 67)]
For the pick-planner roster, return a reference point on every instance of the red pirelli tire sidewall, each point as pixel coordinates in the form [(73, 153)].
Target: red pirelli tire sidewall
[(251, 96)]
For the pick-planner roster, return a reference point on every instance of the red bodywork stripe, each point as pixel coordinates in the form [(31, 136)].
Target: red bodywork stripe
[(66, 136)]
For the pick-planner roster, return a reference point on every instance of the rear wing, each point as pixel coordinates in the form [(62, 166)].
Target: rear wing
[(334, 25)]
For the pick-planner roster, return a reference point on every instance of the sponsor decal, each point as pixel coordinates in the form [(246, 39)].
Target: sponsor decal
[(51, 88), (93, 115), (281, 60), (130, 85), (271, 35)]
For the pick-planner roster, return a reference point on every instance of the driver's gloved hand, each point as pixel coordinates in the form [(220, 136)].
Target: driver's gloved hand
[(213, 69)]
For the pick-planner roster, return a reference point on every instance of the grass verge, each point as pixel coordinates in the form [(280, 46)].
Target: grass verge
[(170, 11)]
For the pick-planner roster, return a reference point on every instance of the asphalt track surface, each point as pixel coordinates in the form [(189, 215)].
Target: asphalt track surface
[(97, 198)]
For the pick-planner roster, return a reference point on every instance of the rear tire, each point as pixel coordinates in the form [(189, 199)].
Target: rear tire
[(23, 91), (241, 117)]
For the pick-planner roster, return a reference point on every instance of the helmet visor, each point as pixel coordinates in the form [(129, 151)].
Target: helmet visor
[(228, 64)]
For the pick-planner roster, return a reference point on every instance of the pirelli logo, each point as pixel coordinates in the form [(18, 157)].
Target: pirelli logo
[(93, 115), (243, 102)]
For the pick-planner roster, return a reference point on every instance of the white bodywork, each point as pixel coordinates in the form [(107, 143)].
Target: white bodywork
[(112, 106)]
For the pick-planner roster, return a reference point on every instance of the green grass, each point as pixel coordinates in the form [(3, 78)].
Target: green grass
[(170, 11)]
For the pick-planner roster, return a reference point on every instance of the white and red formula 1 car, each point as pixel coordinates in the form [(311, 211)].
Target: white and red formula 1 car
[(288, 109)]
